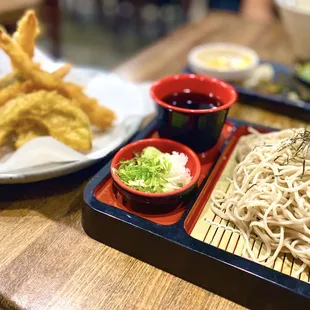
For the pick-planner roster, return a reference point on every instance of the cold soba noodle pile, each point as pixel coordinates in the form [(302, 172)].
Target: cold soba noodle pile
[(270, 199)]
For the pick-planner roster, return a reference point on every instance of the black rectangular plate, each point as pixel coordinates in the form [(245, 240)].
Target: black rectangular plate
[(278, 104), (171, 249)]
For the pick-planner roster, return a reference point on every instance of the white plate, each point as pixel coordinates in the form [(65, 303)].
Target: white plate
[(131, 103)]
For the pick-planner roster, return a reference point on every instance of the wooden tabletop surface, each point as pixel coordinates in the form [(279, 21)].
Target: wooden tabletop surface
[(48, 262)]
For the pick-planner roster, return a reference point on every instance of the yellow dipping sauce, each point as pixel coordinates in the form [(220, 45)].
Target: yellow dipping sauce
[(224, 60)]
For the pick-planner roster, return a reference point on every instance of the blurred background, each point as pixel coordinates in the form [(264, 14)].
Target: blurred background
[(103, 33)]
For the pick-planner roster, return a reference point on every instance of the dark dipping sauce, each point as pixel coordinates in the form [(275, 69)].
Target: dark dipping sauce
[(193, 101)]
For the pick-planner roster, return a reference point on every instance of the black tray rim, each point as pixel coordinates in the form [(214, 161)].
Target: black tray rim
[(181, 237), (269, 102)]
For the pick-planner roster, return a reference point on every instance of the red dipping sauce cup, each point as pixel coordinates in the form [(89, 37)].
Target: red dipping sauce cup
[(198, 129)]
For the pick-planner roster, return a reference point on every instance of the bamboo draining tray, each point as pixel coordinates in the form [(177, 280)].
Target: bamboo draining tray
[(222, 234)]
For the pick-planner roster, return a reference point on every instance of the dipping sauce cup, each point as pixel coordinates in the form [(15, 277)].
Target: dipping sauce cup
[(199, 129)]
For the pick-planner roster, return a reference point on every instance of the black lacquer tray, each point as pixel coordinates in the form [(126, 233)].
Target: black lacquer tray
[(168, 241), (275, 103)]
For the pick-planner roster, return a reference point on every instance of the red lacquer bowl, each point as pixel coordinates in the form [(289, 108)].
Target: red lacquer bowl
[(157, 202), (198, 129)]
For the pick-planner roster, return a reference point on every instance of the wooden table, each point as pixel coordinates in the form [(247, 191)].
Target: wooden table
[(48, 262)]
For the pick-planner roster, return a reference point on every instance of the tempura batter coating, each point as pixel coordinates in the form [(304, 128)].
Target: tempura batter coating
[(98, 115), (63, 121), (16, 85), (28, 130), (27, 32)]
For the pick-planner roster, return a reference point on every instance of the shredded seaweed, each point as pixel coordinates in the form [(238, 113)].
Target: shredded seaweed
[(300, 146)]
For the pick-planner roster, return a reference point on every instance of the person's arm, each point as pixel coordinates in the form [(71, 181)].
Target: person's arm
[(260, 10)]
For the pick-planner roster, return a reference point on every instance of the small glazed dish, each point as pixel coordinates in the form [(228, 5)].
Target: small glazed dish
[(156, 202), (199, 129), (225, 61)]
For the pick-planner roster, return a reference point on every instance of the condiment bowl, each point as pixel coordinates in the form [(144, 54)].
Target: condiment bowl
[(156, 202), (198, 129), (230, 62)]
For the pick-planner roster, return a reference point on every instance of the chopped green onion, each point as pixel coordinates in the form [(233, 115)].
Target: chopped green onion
[(148, 172)]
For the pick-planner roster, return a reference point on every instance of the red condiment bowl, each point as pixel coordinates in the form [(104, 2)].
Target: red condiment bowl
[(198, 129), (156, 202)]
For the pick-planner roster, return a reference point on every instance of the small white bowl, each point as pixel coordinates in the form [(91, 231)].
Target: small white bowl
[(227, 74), (295, 15)]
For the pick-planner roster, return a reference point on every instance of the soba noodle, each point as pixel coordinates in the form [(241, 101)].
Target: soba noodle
[(270, 200)]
